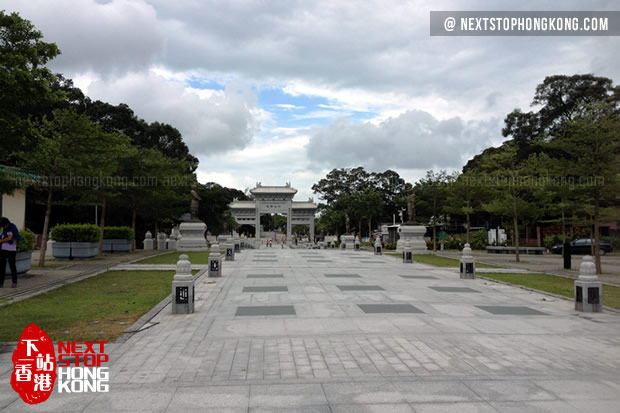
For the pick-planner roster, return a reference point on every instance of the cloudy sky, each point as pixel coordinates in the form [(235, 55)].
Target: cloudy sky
[(278, 91)]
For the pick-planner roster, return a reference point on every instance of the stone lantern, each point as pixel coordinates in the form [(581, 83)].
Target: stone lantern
[(215, 261), (229, 247), (357, 243), (183, 287), (378, 247), (468, 265), (407, 252), (148, 240), (588, 288)]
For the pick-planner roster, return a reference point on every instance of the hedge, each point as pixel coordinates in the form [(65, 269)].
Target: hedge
[(28, 243), (76, 233), (118, 233)]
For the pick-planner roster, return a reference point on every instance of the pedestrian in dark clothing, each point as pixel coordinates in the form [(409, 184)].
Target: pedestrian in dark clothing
[(8, 250)]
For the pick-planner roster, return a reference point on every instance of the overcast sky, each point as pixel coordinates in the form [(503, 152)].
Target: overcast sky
[(279, 91)]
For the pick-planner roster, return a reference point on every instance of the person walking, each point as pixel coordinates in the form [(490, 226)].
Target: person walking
[(8, 250)]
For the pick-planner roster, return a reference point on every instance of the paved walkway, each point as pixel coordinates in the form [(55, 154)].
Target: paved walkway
[(356, 332)]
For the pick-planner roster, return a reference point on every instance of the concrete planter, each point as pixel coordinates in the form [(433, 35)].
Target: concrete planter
[(116, 245), (71, 250), (22, 262)]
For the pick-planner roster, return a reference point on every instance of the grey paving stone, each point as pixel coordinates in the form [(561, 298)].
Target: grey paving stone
[(142, 399), (373, 408), (265, 276), (584, 389), (372, 262), (436, 391), (467, 407), (419, 277), (265, 289), (540, 407), (388, 308), (287, 395), (510, 310), (319, 260), (454, 289), (362, 393), (342, 275), (265, 310), (265, 260), (211, 396), (298, 409), (360, 288), (509, 390)]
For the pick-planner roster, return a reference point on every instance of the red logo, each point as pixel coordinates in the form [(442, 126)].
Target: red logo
[(34, 361)]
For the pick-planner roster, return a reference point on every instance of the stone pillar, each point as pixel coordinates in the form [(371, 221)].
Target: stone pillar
[(148, 240), (257, 220), (468, 265), (312, 229), (378, 247), (407, 253), (183, 287), (237, 244), (229, 247), (171, 242), (415, 235), (215, 261), (289, 224), (161, 241), (588, 288), (356, 243)]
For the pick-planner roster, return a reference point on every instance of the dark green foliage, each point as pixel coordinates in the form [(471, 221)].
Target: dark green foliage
[(76, 233), (118, 233), (28, 243)]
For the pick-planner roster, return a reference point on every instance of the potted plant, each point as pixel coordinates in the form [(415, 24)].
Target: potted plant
[(24, 253), (117, 239), (75, 241)]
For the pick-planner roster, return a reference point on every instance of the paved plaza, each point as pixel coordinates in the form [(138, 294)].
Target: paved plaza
[(327, 330)]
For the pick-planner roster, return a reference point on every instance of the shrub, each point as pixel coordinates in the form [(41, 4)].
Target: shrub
[(28, 243), (551, 240), (118, 233), (614, 241), (76, 233), (390, 245), (478, 240)]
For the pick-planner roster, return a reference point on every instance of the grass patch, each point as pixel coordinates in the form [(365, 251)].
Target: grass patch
[(438, 261), (195, 257), (98, 308), (556, 285)]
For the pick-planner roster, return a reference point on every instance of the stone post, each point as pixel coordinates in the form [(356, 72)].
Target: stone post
[(407, 253), (161, 241), (183, 287), (229, 247), (357, 243), (468, 265), (215, 261), (588, 288), (378, 247), (171, 242), (237, 244), (148, 240)]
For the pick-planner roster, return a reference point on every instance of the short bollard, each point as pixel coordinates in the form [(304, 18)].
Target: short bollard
[(378, 247), (148, 240), (468, 265), (588, 288), (229, 247), (161, 241), (333, 244), (183, 287), (237, 243), (408, 253), (356, 245), (215, 261), (343, 245)]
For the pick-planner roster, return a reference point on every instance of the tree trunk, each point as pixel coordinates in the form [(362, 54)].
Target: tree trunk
[(468, 227), (563, 226), (515, 222), (101, 226), (434, 237), (155, 236), (369, 228), (46, 225), (359, 228), (597, 247), (133, 226), (347, 223)]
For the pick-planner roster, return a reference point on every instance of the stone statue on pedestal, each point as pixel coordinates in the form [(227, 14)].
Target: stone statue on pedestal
[(411, 208), (193, 206)]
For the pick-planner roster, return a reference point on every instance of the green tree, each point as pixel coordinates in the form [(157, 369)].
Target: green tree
[(25, 82), (465, 194)]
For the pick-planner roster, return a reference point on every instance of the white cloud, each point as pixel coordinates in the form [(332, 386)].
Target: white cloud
[(210, 123)]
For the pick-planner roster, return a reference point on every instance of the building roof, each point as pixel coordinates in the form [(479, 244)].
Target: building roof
[(304, 205), (273, 190)]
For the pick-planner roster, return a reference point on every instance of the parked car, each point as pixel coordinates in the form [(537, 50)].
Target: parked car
[(582, 246)]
